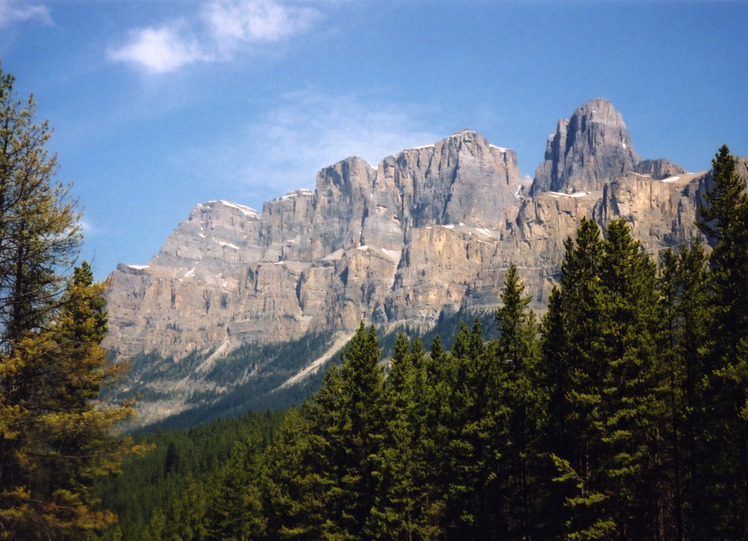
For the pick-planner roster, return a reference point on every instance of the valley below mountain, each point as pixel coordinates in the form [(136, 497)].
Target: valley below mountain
[(241, 306)]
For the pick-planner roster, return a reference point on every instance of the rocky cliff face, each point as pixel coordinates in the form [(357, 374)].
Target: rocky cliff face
[(429, 231), (382, 244), (589, 148)]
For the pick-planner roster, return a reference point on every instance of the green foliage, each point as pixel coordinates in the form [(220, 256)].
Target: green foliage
[(55, 437), (725, 221), (621, 416)]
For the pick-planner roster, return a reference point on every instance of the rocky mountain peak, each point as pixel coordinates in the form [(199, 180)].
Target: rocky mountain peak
[(586, 150), (429, 232)]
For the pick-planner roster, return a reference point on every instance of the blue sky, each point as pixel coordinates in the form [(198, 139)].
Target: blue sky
[(159, 105)]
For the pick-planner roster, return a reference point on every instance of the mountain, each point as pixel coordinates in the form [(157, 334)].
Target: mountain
[(428, 233)]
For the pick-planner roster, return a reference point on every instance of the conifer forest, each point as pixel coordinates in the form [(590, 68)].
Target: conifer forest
[(621, 413)]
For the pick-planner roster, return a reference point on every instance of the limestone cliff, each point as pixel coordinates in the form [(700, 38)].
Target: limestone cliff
[(429, 231), (361, 246)]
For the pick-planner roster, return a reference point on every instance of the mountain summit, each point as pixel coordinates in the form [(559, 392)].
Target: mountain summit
[(429, 232), (590, 147)]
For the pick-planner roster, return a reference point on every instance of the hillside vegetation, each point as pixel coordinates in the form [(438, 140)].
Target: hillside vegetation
[(621, 415)]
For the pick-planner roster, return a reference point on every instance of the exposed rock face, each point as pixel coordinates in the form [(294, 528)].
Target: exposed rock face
[(431, 230), (586, 150), (358, 247)]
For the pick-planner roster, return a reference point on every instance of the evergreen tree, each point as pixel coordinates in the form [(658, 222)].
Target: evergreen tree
[(39, 231), (405, 488), (54, 438), (345, 433), (293, 490), (684, 280), (235, 510), (725, 222), (363, 390), (513, 404), (573, 348), (632, 402)]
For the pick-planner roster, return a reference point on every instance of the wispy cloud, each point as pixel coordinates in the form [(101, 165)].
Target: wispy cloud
[(232, 23), (19, 11), (161, 49), (218, 31), (303, 133)]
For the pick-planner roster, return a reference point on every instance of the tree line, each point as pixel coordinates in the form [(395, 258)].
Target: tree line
[(620, 415)]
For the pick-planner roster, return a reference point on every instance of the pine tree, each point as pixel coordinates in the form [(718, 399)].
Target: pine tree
[(57, 439), (292, 489), (363, 391), (39, 231), (405, 488), (54, 437), (345, 433)]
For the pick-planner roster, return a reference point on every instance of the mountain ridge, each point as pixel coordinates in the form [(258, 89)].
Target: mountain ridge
[(429, 232)]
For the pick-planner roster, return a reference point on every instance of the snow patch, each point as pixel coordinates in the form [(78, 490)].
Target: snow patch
[(500, 149), (137, 267), (227, 245), (297, 193), (392, 254), (575, 194), (189, 272), (670, 179), (424, 146), (484, 231), (247, 211), (362, 247), (449, 226)]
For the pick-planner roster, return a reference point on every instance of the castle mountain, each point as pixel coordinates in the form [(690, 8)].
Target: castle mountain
[(426, 233)]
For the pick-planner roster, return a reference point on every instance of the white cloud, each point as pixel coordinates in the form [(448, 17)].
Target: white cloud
[(19, 11), (160, 50), (232, 22), (302, 134), (217, 32)]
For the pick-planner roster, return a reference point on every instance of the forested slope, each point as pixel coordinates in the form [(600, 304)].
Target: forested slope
[(621, 415)]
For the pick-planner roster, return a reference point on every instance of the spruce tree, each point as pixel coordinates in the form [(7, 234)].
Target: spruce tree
[(513, 405), (632, 401), (574, 348), (235, 511), (683, 283), (345, 434), (725, 222), (405, 486), (292, 489)]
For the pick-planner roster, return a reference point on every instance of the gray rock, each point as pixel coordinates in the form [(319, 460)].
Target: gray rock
[(590, 147), (431, 230)]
